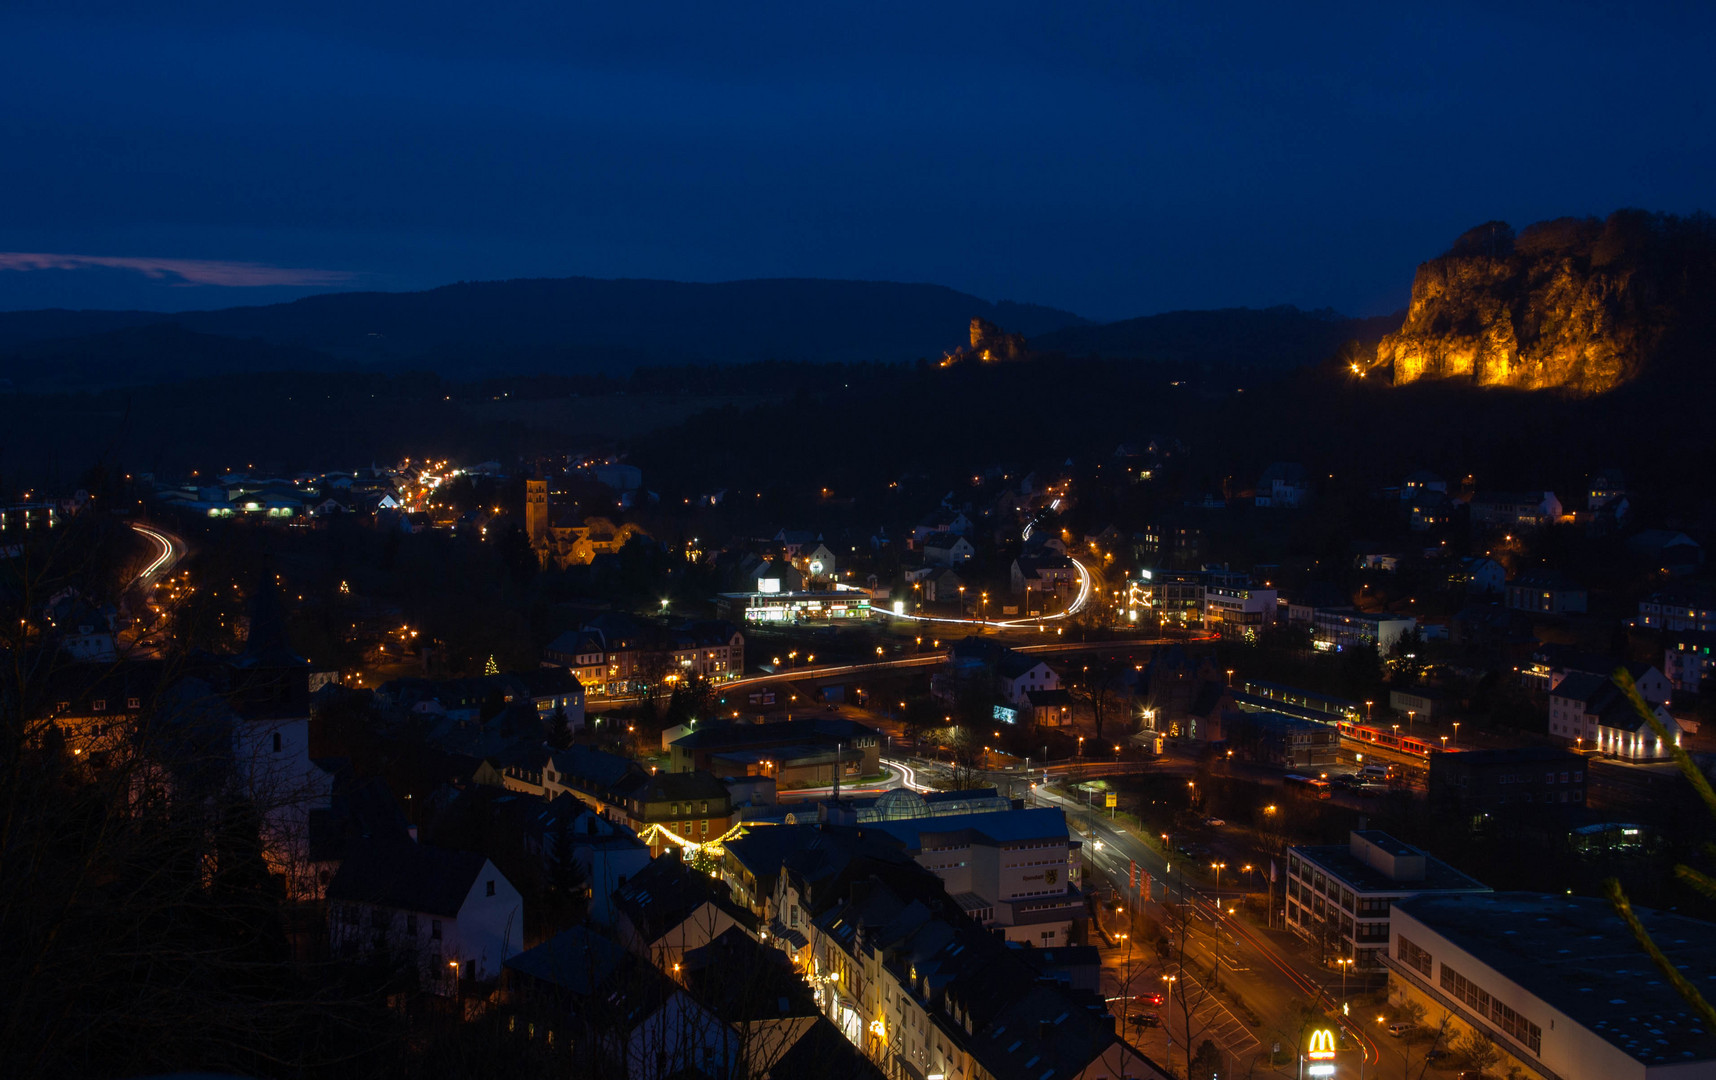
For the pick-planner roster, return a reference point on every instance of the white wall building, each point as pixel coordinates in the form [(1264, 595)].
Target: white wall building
[(449, 912), (1557, 982)]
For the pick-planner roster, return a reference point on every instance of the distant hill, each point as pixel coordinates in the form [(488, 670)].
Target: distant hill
[(554, 326), (146, 355), (1277, 337)]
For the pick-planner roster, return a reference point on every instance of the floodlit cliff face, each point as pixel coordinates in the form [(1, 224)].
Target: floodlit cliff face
[(1577, 305), (989, 345)]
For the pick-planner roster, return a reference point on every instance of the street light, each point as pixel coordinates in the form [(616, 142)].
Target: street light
[(1218, 867), (1456, 731), (1367, 706)]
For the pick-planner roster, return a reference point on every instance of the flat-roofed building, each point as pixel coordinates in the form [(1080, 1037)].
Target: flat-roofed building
[(1558, 983), (1339, 895), (1016, 869), (1339, 629)]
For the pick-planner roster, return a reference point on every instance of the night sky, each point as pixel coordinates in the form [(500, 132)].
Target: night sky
[(1113, 159)]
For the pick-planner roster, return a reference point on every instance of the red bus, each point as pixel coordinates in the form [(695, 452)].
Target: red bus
[(1308, 786)]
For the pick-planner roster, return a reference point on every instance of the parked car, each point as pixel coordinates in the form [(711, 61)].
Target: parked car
[(1399, 1028), (1144, 1020), (1214, 822)]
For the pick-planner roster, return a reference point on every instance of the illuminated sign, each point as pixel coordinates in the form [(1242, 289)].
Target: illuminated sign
[(1006, 715), (1322, 1046), (1112, 800), (899, 607), (816, 567), (769, 584)]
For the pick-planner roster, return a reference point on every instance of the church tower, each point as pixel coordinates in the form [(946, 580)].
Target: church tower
[(536, 512)]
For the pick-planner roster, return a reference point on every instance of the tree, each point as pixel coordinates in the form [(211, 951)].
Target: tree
[(1207, 1062), (490, 667), (1476, 1050), (560, 729)]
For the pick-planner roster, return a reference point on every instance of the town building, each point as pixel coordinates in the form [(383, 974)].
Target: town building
[(1591, 712), (1338, 896), (1478, 783), (839, 604), (1287, 742), (924, 991), (450, 914), (1284, 486), (1546, 594), (1017, 870), (1010, 674), (616, 1013), (1558, 983), (1339, 629), (668, 909), (1239, 610), (1688, 660), (1678, 609), (948, 549), (1480, 575), (1514, 509), (810, 751)]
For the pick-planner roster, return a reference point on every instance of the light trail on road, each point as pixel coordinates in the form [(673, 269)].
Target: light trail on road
[(167, 551), (908, 775), (1073, 608)]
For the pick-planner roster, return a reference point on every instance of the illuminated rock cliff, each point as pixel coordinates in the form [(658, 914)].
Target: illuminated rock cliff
[(1578, 305)]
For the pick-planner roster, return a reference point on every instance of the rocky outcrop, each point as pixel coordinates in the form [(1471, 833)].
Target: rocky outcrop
[(989, 345), (1577, 305)]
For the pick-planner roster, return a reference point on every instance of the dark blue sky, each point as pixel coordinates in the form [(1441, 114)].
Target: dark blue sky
[(1114, 159)]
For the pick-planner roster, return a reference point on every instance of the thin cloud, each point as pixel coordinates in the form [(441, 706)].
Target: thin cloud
[(180, 272)]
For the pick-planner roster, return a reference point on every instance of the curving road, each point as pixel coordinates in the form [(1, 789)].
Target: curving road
[(172, 550)]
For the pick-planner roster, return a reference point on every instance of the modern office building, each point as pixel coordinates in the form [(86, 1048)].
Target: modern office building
[(1339, 629), (1339, 896), (1558, 983)]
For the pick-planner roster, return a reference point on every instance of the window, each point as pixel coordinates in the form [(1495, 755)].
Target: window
[(133, 703), (491, 888), (411, 925), (1412, 956), (99, 704), (378, 919), (435, 929), (276, 742)]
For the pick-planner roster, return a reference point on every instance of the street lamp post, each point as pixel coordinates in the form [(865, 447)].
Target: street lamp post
[(1456, 731)]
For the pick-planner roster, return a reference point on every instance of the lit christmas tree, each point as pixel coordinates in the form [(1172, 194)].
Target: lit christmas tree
[(491, 668)]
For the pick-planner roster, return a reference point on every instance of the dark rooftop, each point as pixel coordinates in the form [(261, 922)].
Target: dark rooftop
[(1576, 955)]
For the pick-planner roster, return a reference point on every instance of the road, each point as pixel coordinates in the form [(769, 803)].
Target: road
[(172, 549), (1261, 967)]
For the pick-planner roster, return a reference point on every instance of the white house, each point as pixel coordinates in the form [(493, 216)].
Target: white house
[(1019, 674), (1284, 485), (1592, 713), (451, 913), (668, 909), (948, 550), (643, 1024), (1482, 575)]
